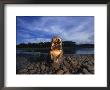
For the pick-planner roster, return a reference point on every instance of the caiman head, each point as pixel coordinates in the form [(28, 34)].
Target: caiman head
[(56, 51)]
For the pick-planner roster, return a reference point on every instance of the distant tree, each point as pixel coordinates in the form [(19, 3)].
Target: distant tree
[(48, 44)]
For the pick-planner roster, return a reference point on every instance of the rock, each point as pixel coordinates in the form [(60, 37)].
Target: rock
[(35, 68), (67, 72), (23, 71), (60, 72), (50, 72), (32, 71), (85, 71), (70, 64), (30, 67), (43, 67), (43, 63), (85, 63), (46, 68), (55, 66), (66, 64), (90, 62), (37, 65), (42, 72), (28, 64), (91, 68), (69, 59), (65, 69), (38, 70), (74, 63)]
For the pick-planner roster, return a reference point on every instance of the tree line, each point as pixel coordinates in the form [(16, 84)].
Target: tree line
[(48, 44)]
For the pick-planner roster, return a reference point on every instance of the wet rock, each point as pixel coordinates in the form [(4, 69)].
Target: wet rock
[(90, 62), (85, 71), (65, 69), (32, 71), (37, 65), (90, 68), (23, 71), (43, 67), (56, 66), (38, 70), (30, 67), (66, 64), (67, 72), (60, 72), (50, 72), (42, 72), (35, 68), (74, 63), (43, 63)]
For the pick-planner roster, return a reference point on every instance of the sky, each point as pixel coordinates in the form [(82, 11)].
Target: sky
[(35, 29)]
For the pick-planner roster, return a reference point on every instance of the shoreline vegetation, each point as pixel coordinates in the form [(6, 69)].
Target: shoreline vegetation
[(69, 47), (47, 44)]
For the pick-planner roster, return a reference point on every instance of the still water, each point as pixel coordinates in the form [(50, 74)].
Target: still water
[(85, 51), (78, 51)]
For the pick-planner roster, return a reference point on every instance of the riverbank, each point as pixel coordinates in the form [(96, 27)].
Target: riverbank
[(71, 64)]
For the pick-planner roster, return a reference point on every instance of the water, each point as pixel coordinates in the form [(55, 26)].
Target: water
[(78, 51), (85, 51)]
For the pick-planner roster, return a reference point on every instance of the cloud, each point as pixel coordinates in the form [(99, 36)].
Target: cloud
[(79, 34), (35, 40), (78, 29)]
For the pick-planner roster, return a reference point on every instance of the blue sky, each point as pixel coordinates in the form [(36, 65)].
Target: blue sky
[(34, 29)]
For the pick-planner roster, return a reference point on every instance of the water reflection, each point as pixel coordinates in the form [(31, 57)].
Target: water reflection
[(85, 51), (77, 51)]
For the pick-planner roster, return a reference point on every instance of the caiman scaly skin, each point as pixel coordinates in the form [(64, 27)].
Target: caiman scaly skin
[(56, 51)]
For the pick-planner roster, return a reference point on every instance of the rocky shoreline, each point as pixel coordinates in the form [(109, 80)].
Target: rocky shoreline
[(71, 64)]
